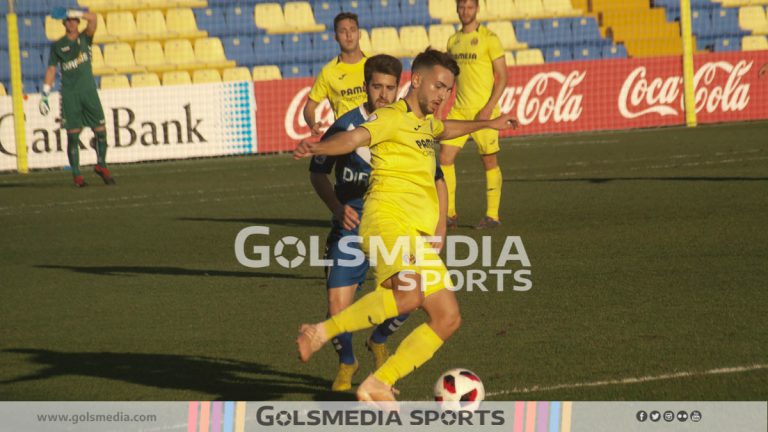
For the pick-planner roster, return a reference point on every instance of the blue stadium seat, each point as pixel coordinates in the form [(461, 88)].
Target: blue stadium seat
[(62, 3), (325, 11), (324, 47), (704, 4), (416, 12), (706, 43), (725, 22), (557, 32), (296, 70), (5, 67), (587, 52), (558, 54), (317, 67), (386, 13), (239, 49), (267, 49), (34, 7), (701, 22), (32, 63), (614, 51), (32, 31), (530, 32), (363, 10), (3, 33), (240, 21), (407, 63), (4, 12), (298, 48), (213, 20), (586, 30), (728, 44), (30, 86)]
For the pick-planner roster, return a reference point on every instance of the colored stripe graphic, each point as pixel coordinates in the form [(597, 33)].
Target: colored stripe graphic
[(229, 416), (205, 416), (554, 417), (192, 417), (216, 417), (240, 417), (566, 423), (542, 417), (530, 417), (519, 414)]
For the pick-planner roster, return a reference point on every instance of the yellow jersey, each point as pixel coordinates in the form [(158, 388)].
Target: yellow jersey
[(475, 53), (403, 166), (342, 84)]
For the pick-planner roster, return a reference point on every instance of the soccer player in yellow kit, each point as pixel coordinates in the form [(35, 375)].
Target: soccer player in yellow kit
[(483, 77), (341, 80), (401, 203)]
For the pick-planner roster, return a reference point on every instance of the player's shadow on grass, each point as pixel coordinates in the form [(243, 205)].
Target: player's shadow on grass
[(172, 271), (611, 179), (221, 379), (311, 223)]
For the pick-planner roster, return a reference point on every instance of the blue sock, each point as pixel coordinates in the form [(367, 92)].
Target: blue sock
[(343, 345), (385, 329)]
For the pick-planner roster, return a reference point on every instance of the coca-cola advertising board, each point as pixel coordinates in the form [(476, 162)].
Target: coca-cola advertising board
[(572, 96)]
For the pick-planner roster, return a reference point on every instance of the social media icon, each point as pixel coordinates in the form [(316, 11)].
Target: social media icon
[(641, 416), (696, 416), (669, 416), (682, 416), (655, 416)]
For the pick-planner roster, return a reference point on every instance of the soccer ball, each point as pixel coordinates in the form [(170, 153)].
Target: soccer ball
[(459, 389)]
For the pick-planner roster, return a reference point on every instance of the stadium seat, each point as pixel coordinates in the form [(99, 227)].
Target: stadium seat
[(239, 21), (182, 22), (417, 40), (266, 73), (236, 74), (701, 22), (386, 13), (25, 8), (483, 13), (179, 52), (54, 29), (31, 31), (754, 43), (529, 57), (365, 42), (725, 22), (558, 54), (530, 32), (102, 35), (210, 52), (444, 11), (270, 17), (325, 11), (268, 49), (753, 18), (177, 78), (150, 55), (114, 82), (122, 26), (192, 4), (531, 8), (587, 53), (503, 10), (97, 61), (145, 80), (725, 44), (509, 58), (363, 10), (297, 48), (119, 57), (734, 3), (3, 32), (98, 5), (32, 66), (385, 40), (586, 30), (556, 32), (5, 67), (216, 21), (29, 87), (152, 24), (506, 34), (324, 47), (416, 12), (440, 33), (614, 51), (295, 70), (298, 14), (239, 49), (205, 76), (560, 8)]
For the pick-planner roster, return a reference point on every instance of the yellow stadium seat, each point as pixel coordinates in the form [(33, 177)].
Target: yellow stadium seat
[(152, 24), (266, 73), (417, 39), (444, 10), (128, 5), (506, 34), (98, 5), (299, 16), (483, 13), (158, 4), (177, 78), (269, 16), (122, 26), (503, 9), (531, 8), (734, 3), (179, 53), (150, 55), (753, 18), (205, 76), (54, 29), (529, 57), (439, 35), (114, 82), (119, 56), (509, 58), (182, 22), (102, 35), (210, 52), (385, 40), (145, 80), (236, 74), (560, 8), (754, 43), (2, 90), (191, 3), (365, 41), (99, 68)]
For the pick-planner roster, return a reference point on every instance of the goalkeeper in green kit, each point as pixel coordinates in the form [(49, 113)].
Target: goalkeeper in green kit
[(80, 104)]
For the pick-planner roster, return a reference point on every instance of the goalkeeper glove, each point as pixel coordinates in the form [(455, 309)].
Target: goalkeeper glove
[(44, 107), (64, 13)]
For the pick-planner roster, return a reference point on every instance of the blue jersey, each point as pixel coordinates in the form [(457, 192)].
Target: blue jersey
[(352, 170)]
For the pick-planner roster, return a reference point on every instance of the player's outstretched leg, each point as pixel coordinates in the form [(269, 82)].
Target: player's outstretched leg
[(447, 164), (377, 342), (73, 155), (101, 157), (493, 182)]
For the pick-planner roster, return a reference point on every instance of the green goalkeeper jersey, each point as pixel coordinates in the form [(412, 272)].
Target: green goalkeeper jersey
[(73, 58)]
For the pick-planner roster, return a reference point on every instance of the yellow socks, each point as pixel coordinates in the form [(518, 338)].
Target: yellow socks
[(492, 192), (449, 175), (414, 351), (370, 310)]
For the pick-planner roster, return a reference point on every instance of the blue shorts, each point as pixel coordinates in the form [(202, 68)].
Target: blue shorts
[(340, 276)]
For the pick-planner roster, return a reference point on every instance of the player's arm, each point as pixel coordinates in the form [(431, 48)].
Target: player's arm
[(499, 84), (339, 144), (90, 29), (442, 199), (319, 91), (324, 189), (50, 76), (457, 128), (309, 117)]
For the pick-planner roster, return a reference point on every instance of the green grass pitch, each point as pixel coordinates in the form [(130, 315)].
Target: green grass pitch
[(649, 261)]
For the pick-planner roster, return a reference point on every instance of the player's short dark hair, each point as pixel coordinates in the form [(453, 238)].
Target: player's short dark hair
[(344, 16), (477, 2), (431, 58), (384, 64)]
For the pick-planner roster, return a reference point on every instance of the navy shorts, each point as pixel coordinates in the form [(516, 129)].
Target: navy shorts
[(339, 276)]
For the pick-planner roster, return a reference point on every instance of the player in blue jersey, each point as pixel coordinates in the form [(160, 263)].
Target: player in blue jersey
[(345, 201)]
